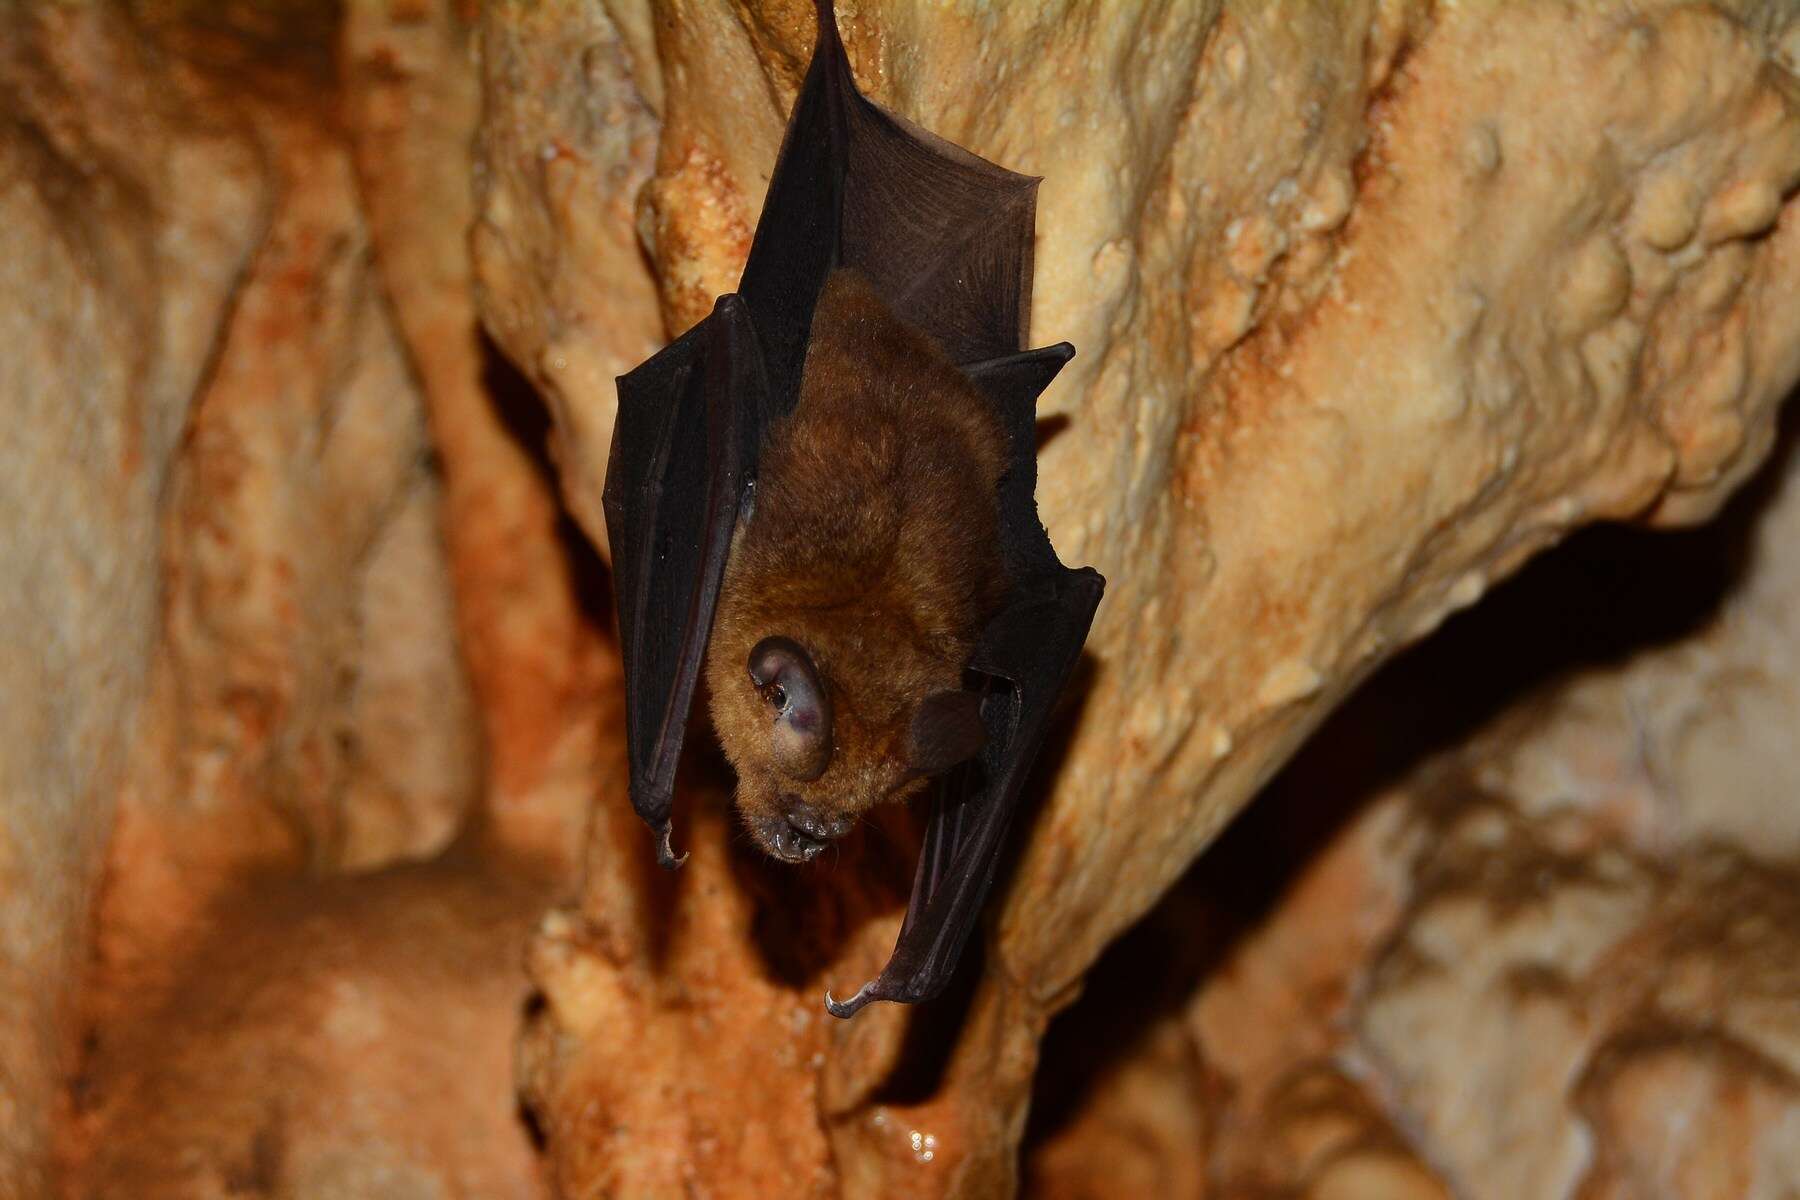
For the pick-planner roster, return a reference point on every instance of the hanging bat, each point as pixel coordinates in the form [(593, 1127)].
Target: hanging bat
[(822, 496)]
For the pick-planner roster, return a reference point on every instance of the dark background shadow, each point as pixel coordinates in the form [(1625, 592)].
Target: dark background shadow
[(1605, 594)]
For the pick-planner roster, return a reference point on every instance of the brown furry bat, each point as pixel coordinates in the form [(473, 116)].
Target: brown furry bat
[(823, 496), (856, 588)]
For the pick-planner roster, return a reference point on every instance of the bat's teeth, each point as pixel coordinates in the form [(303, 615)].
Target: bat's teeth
[(814, 824)]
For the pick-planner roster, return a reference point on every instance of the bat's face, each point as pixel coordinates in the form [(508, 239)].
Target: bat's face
[(822, 724)]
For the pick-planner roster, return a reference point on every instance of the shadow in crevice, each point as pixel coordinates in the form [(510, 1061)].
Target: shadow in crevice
[(525, 417), (807, 915), (1604, 595)]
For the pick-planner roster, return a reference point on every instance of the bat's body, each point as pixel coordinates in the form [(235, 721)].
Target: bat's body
[(874, 544), (822, 495)]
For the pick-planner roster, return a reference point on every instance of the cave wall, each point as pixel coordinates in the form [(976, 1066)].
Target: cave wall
[(1372, 303), (305, 651), (110, 307), (1518, 921), (291, 608)]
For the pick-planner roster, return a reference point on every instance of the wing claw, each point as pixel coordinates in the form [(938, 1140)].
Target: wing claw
[(845, 1009), (666, 857)]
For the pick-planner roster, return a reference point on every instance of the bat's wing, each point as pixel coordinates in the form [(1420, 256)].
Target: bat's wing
[(690, 421), (1027, 654)]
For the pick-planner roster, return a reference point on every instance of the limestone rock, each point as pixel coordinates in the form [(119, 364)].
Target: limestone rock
[(529, 616), (302, 472), (109, 307), (1373, 301), (1606, 930), (327, 1039), (1554, 957), (289, 594)]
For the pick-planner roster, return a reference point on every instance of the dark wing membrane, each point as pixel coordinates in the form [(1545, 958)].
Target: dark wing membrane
[(1028, 653), (796, 243), (945, 237), (689, 434), (690, 421)]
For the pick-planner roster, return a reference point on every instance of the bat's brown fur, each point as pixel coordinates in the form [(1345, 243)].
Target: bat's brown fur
[(874, 544)]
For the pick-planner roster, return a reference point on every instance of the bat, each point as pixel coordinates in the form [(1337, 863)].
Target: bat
[(822, 497)]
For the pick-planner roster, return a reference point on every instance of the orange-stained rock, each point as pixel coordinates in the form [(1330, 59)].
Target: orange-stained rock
[(109, 311), (300, 595), (302, 474), (530, 618), (1374, 300), (347, 1037)]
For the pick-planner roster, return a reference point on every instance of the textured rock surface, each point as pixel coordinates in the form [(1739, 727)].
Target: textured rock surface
[(305, 593), (289, 593), (347, 1037), (1610, 914), (1373, 301), (1546, 960), (528, 604), (109, 307)]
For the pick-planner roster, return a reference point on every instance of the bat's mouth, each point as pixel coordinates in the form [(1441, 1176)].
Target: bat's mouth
[(800, 831)]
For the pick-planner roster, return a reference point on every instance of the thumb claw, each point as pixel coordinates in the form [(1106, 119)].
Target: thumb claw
[(845, 1009), (665, 851)]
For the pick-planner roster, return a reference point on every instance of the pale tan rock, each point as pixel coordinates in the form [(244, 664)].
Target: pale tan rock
[(411, 711), (233, 610), (1372, 301), (566, 138), (1554, 967), (304, 445), (1608, 942), (108, 309), (530, 637), (1695, 742), (1691, 1116), (1543, 1014)]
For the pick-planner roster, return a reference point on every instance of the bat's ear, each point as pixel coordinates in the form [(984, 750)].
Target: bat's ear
[(946, 730)]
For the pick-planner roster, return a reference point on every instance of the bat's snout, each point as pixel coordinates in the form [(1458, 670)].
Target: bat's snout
[(800, 831)]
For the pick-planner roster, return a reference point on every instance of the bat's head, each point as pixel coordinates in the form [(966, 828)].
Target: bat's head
[(858, 584), (823, 723)]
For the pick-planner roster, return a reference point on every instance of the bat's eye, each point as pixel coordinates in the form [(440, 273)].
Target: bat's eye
[(798, 706)]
